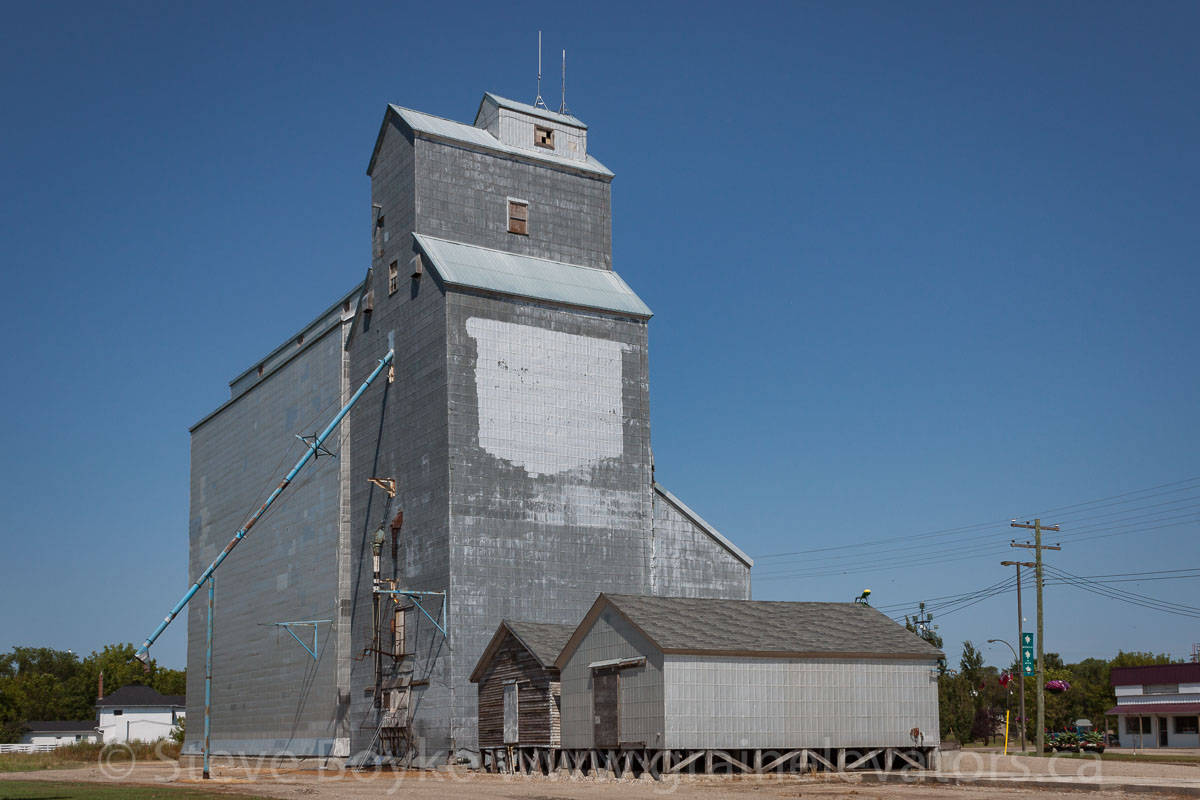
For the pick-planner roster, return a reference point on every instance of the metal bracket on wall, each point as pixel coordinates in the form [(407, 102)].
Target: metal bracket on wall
[(287, 626), (416, 600), (387, 484), (317, 448)]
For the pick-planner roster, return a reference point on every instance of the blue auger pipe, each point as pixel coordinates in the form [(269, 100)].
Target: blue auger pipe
[(143, 653)]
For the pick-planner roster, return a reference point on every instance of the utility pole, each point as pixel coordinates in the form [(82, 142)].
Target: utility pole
[(1038, 547), (1020, 632)]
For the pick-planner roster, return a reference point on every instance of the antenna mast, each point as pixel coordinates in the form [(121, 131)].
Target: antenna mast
[(539, 102), (563, 108)]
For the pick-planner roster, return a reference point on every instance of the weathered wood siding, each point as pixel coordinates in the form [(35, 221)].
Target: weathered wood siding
[(536, 693)]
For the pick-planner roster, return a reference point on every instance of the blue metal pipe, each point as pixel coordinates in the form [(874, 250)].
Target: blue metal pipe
[(143, 652), (208, 676)]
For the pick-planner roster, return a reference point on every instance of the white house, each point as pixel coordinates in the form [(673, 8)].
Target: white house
[(59, 732), (1159, 706), (138, 713)]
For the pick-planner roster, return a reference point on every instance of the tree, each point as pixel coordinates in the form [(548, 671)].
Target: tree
[(972, 698), (1137, 659), (971, 663), (39, 683)]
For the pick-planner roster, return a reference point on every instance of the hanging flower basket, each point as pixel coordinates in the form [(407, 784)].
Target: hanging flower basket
[(1057, 687)]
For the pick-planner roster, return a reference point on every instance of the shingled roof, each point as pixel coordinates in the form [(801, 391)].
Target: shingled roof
[(543, 640), (61, 726), (703, 626), (130, 696)]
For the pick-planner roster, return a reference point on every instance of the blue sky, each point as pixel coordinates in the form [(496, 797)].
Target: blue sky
[(915, 267)]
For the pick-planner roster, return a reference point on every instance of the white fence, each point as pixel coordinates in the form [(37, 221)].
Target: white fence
[(27, 748)]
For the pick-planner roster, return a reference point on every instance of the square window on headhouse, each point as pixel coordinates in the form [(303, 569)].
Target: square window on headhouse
[(543, 137), (393, 277), (518, 217)]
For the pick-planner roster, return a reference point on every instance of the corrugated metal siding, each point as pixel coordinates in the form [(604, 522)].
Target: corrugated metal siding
[(400, 430), (641, 709), (269, 694), (489, 118), (1159, 699), (543, 113), (527, 276), (729, 702), (687, 562), (479, 137), (570, 216), (550, 492), (1160, 673), (517, 129)]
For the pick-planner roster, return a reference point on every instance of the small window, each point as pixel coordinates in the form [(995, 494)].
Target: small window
[(1161, 688), (118, 713), (393, 277), (518, 217), (543, 137), (398, 641), (1187, 724)]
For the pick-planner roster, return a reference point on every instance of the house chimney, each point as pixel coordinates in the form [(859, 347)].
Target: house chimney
[(101, 687)]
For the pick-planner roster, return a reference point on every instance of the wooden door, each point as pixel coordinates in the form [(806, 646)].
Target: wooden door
[(512, 730), (606, 693)]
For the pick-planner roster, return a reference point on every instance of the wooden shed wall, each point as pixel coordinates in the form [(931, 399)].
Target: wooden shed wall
[(537, 692)]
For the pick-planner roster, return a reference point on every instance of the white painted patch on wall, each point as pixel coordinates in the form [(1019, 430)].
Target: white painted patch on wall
[(549, 402)]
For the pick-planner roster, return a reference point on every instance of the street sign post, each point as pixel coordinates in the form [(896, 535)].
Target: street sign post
[(1028, 660)]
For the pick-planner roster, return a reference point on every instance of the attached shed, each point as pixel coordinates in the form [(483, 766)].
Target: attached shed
[(753, 683), (519, 686)]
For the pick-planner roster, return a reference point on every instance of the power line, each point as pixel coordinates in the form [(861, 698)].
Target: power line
[(879, 562), (979, 527), (1162, 575), (1009, 585), (1051, 511), (1123, 594)]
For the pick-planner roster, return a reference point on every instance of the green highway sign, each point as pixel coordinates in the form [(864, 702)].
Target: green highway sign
[(1028, 659)]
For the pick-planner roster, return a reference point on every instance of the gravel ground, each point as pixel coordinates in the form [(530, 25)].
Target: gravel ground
[(1115, 780)]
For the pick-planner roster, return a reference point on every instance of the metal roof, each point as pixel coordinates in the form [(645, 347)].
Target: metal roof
[(476, 267), (479, 137), (758, 628), (545, 113), (1151, 709), (1156, 673), (312, 333)]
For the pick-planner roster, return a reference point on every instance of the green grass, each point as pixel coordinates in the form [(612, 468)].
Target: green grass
[(83, 754), (52, 790)]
